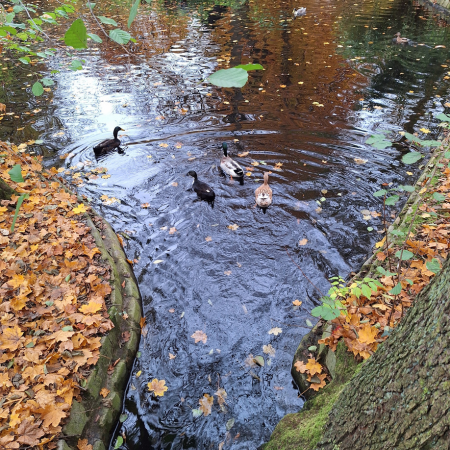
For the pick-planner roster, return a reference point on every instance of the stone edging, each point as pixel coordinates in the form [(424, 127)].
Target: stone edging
[(94, 417)]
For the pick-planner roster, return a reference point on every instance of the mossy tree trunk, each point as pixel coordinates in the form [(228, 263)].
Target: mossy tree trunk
[(400, 397), (6, 191)]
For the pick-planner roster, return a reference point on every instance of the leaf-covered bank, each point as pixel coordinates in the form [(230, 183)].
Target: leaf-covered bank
[(59, 301)]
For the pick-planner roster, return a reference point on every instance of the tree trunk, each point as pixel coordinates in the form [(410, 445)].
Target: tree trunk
[(6, 191), (400, 397)]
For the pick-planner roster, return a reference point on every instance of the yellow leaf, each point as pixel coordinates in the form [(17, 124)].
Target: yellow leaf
[(79, 209), (380, 243), (367, 334), (425, 130), (313, 366), (206, 403), (300, 366), (241, 155), (139, 373), (303, 242), (173, 230), (106, 176), (275, 331), (158, 387), (91, 308), (233, 227), (297, 302), (208, 238), (104, 392), (199, 336), (164, 145), (83, 445)]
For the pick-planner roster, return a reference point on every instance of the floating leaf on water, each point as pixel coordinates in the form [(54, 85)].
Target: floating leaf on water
[(123, 417), (275, 331), (230, 424), (229, 78), (197, 413), (259, 360)]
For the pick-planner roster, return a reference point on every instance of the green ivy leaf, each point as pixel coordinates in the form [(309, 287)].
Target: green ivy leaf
[(392, 200), (95, 38), (233, 77), (433, 265), (439, 197), (120, 36), (37, 89), (404, 254), (16, 174), (76, 36), (411, 157), (396, 289), (133, 12), (107, 21)]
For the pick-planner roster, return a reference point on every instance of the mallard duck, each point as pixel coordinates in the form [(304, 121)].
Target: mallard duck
[(299, 12), (109, 144), (263, 194), (229, 166), (400, 40), (202, 189)]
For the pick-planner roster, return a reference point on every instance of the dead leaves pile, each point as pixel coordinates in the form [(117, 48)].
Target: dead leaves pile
[(314, 371), (52, 312), (370, 320)]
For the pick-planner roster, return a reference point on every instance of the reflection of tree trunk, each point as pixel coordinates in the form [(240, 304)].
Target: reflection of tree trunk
[(6, 191), (399, 399)]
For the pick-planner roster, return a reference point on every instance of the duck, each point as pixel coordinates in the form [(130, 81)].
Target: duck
[(299, 12), (400, 40), (202, 190), (109, 144), (229, 166), (263, 194)]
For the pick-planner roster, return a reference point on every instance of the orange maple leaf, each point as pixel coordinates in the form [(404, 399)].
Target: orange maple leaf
[(83, 445), (367, 334), (104, 392), (11, 338), (91, 308), (206, 403), (157, 386), (316, 386), (313, 366)]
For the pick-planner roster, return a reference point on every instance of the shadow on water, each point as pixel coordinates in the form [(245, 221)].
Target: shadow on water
[(331, 78)]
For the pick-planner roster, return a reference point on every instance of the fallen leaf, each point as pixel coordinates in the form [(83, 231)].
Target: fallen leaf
[(164, 145), (269, 350), (157, 387), (206, 403), (208, 238), (171, 356), (79, 209), (145, 205), (303, 242), (227, 272), (241, 155), (104, 392), (275, 331), (300, 366), (233, 227), (199, 336), (297, 303), (313, 366), (83, 445), (173, 230)]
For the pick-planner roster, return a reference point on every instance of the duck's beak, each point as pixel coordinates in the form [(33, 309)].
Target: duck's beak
[(122, 129)]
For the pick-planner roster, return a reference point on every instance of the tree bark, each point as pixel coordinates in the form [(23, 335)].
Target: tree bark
[(6, 191), (400, 398)]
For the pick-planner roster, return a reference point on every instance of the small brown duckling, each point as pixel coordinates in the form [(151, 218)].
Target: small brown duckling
[(263, 194)]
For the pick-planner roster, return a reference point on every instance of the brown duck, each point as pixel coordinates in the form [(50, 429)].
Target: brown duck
[(263, 194)]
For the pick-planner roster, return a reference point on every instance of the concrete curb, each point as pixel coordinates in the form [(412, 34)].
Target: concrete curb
[(94, 417)]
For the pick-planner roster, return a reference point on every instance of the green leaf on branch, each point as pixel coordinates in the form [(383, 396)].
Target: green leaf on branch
[(392, 200), (76, 35), (229, 78), (76, 65), (17, 9), (380, 193), (19, 204), (16, 174), (396, 289), (443, 117), (107, 21), (37, 89), (379, 141), (419, 141), (411, 157), (404, 255), (407, 188), (248, 67), (25, 60), (120, 36), (47, 82), (326, 312), (95, 38), (90, 5), (133, 12), (433, 265), (439, 197), (385, 272), (119, 442)]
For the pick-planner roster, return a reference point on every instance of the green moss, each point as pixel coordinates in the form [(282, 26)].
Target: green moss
[(303, 430)]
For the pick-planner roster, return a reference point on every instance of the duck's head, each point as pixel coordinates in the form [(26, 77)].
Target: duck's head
[(225, 148), (116, 130), (192, 174), (398, 34)]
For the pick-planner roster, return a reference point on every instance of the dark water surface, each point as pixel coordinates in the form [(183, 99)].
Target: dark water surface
[(331, 79)]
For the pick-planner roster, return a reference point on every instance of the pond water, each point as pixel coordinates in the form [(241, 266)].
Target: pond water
[(331, 79)]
